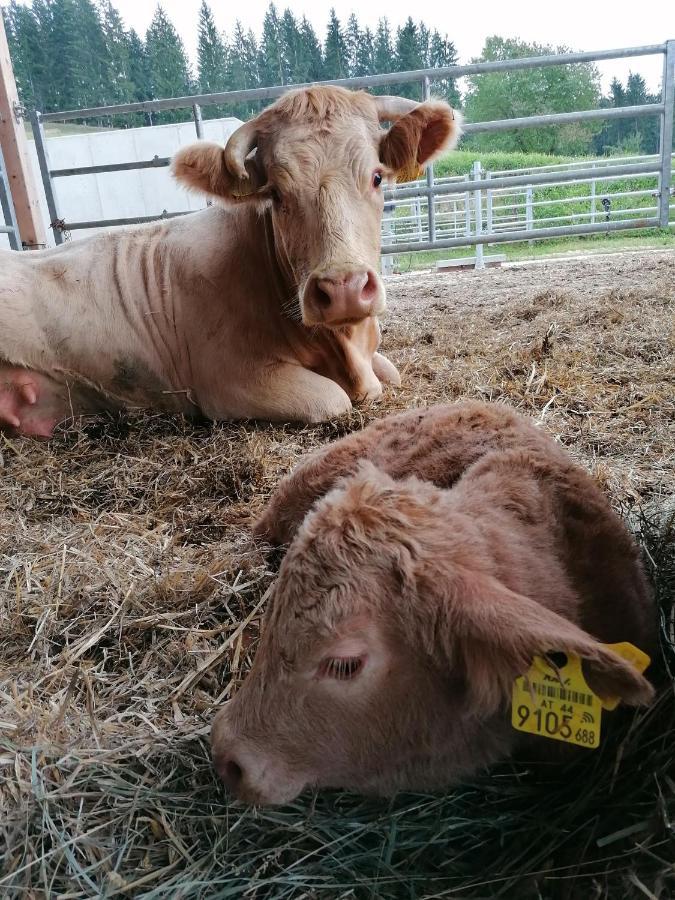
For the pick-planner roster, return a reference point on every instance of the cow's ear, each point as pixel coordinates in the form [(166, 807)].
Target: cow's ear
[(493, 634), (201, 167), (420, 136)]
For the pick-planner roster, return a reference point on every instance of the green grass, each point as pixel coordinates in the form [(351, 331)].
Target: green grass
[(648, 239), (459, 162)]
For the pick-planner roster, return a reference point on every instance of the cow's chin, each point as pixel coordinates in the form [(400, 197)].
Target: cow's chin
[(277, 790)]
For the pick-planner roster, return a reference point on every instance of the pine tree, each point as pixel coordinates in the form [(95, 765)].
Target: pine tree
[(167, 64), (353, 38), (243, 73), (383, 53), (335, 50), (23, 36), (442, 53), (310, 54), (291, 49), (424, 44), (139, 76), (365, 56), (270, 60), (117, 57), (212, 63), (92, 63), (41, 63), (408, 56)]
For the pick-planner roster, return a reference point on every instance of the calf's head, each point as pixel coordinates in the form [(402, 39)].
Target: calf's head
[(318, 159), (388, 657)]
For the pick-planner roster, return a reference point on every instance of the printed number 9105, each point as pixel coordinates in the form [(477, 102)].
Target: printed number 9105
[(549, 722)]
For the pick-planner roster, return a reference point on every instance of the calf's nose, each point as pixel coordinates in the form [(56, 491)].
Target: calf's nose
[(230, 771), (332, 298)]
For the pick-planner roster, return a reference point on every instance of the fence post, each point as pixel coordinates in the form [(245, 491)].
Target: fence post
[(387, 220), (426, 85), (488, 205), (467, 209), (478, 206), (7, 207), (197, 116), (668, 98), (593, 206), (55, 220), (529, 211)]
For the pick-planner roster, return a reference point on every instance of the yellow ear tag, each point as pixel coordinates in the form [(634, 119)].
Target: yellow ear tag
[(411, 173), (639, 660), (557, 704)]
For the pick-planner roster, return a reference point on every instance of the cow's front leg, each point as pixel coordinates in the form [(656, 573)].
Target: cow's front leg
[(385, 370), (290, 393)]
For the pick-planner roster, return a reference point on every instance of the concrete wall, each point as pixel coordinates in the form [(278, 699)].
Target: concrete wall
[(144, 192)]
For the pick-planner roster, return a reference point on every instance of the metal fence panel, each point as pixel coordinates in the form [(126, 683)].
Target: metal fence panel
[(489, 207)]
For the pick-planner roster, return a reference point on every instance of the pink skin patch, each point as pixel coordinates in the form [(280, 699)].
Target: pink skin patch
[(28, 402)]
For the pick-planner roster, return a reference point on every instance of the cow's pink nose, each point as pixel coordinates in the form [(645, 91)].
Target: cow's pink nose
[(334, 298)]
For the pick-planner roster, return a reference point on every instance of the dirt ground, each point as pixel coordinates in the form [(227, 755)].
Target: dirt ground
[(130, 593)]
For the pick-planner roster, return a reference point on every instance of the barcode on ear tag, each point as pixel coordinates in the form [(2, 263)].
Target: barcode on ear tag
[(557, 704)]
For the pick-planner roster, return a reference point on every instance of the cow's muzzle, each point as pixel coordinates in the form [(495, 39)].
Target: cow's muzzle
[(337, 297), (250, 774)]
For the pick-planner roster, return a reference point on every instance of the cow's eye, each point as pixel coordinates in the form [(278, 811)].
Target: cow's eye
[(377, 179), (341, 668), (276, 196)]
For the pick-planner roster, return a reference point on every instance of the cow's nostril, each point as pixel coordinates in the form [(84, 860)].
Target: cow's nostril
[(233, 774), (230, 772), (321, 297), (370, 287)]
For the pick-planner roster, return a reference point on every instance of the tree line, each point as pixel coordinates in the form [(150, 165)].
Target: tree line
[(70, 54)]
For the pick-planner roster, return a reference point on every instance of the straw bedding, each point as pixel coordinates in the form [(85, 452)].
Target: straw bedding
[(131, 598)]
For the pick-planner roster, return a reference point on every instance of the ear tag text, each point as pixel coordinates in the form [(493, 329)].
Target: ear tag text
[(557, 704)]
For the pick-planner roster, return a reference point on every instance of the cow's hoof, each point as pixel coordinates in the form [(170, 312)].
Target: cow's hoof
[(22, 403)]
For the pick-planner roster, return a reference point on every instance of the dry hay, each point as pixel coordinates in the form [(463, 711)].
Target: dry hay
[(130, 601)]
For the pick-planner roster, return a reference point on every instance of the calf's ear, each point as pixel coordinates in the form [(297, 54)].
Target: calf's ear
[(418, 137), (202, 167), (493, 634)]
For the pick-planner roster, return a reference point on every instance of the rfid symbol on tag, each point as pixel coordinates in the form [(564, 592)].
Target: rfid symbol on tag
[(587, 718)]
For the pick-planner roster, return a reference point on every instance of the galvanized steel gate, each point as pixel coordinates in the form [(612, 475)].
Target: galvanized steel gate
[(659, 166), (8, 223)]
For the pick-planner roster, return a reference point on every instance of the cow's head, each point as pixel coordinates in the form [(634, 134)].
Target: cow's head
[(389, 655), (318, 159)]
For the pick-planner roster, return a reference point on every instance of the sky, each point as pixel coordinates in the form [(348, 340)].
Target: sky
[(578, 24)]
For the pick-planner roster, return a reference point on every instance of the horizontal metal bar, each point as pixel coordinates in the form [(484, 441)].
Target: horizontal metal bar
[(545, 178), (587, 115), (159, 162), (524, 235), (602, 161), (112, 223), (580, 198), (5, 229), (435, 74)]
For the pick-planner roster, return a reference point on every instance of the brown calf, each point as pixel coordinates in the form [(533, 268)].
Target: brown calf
[(431, 557)]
